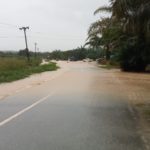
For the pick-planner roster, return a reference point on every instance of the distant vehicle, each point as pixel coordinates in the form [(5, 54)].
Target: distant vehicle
[(71, 58), (87, 60)]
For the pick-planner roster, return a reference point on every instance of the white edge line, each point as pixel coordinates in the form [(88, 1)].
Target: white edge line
[(24, 110)]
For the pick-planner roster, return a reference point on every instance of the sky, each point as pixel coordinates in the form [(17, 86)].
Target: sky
[(54, 24)]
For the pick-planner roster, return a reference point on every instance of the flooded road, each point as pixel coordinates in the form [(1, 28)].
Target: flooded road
[(82, 108)]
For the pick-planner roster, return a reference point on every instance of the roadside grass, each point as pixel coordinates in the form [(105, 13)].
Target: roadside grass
[(12, 69), (109, 66), (145, 109), (147, 112)]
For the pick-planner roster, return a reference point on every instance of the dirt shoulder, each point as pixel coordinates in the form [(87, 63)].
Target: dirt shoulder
[(8, 89), (133, 87), (137, 87)]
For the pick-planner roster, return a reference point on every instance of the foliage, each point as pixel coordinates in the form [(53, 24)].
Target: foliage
[(77, 54), (134, 56), (126, 34), (15, 68)]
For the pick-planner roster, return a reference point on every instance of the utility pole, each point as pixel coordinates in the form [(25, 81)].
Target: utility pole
[(38, 52), (27, 50), (35, 48)]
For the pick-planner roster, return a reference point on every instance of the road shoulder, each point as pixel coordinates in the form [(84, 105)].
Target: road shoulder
[(136, 86)]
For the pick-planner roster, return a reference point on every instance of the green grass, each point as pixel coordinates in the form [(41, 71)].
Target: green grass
[(147, 113), (145, 109), (109, 66), (12, 69)]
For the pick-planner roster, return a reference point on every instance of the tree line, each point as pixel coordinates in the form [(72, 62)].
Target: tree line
[(125, 35), (77, 54)]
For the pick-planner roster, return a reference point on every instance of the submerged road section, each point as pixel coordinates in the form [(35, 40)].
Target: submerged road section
[(84, 108)]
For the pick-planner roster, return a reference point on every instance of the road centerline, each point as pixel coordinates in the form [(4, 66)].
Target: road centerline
[(24, 110)]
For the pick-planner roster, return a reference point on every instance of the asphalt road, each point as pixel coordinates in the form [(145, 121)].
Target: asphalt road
[(82, 109)]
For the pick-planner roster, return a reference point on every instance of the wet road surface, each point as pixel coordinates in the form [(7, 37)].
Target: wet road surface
[(83, 109)]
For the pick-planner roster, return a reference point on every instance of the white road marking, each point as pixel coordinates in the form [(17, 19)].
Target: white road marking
[(24, 110)]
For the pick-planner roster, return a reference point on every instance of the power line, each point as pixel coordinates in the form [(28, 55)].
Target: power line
[(45, 34), (40, 33), (8, 24), (7, 37), (46, 37), (4, 37)]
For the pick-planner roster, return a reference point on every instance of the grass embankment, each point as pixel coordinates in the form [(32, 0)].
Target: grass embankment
[(12, 69), (144, 108), (110, 65)]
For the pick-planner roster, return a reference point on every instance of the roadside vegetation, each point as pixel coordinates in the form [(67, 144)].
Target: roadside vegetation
[(122, 38), (14, 68), (109, 66), (79, 53), (125, 35), (145, 109)]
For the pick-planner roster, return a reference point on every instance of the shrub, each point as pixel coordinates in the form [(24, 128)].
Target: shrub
[(134, 57)]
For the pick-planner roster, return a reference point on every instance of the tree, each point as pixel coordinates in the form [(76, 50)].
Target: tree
[(95, 35), (127, 29)]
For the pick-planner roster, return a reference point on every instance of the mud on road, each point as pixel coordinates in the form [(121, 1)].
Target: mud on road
[(132, 87), (135, 88)]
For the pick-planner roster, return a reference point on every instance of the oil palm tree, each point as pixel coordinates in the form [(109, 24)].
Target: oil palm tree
[(95, 34), (134, 16), (128, 28)]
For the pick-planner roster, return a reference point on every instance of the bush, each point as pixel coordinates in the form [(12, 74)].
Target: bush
[(12, 69), (134, 57)]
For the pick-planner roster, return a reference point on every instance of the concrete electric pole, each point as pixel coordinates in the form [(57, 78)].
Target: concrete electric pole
[(27, 50), (35, 49), (38, 52)]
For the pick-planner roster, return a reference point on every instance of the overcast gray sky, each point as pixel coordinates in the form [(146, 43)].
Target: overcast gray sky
[(54, 24)]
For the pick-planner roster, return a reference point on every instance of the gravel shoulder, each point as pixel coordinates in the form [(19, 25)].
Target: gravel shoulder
[(8, 89)]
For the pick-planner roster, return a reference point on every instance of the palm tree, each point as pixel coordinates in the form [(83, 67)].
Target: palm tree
[(99, 26), (134, 16), (128, 28), (95, 34), (93, 41)]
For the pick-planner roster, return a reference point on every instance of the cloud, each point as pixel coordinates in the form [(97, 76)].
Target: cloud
[(63, 24)]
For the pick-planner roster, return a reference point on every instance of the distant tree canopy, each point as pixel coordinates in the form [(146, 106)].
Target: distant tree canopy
[(22, 53), (76, 54), (126, 34), (8, 53)]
